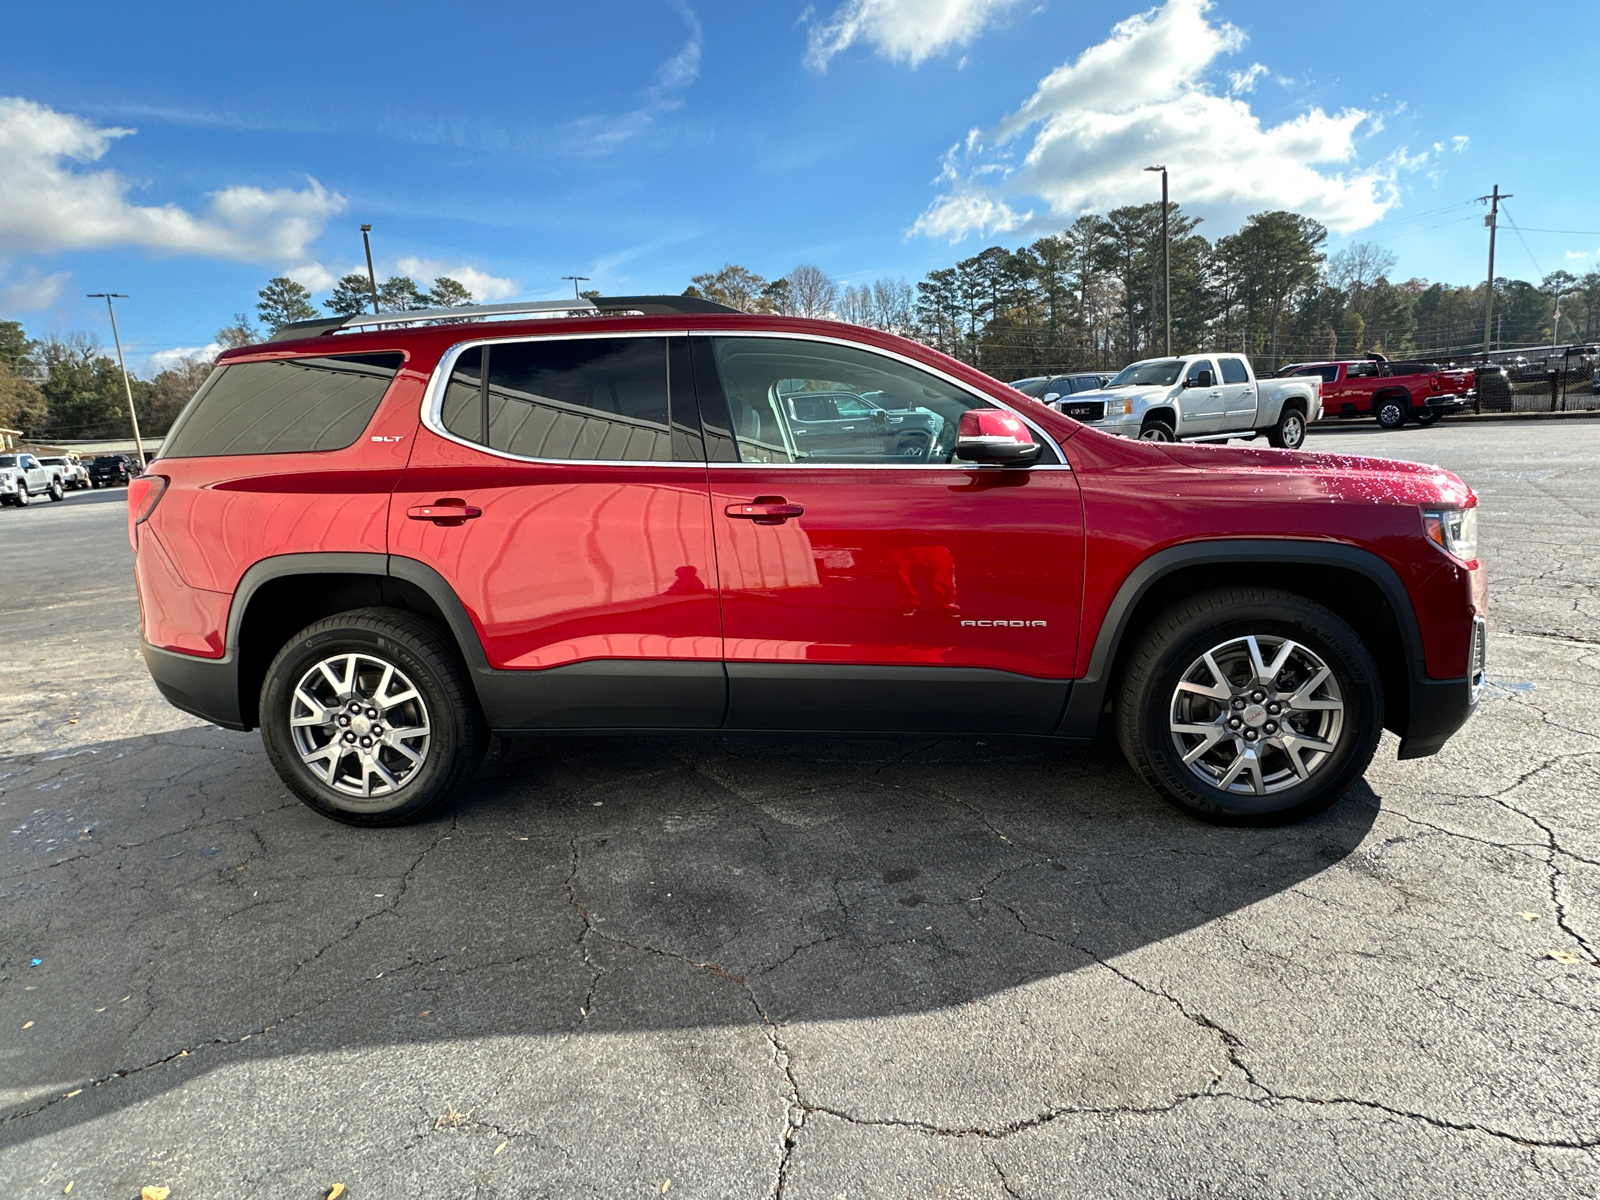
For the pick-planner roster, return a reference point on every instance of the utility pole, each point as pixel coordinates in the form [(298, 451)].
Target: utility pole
[(108, 297), (1166, 260), (372, 276), (576, 295), (1492, 220)]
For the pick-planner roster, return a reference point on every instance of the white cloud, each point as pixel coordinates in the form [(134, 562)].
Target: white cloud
[(1460, 143), (909, 31), (598, 134), (485, 288), (1242, 82), (50, 202), (162, 359), (313, 276), (1142, 97), (33, 292)]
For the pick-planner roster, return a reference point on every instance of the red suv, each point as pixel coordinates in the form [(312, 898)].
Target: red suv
[(383, 544)]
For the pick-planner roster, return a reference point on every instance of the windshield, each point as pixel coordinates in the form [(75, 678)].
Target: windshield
[(1155, 372), (8, 460)]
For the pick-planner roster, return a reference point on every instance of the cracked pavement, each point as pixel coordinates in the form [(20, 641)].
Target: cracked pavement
[(804, 968)]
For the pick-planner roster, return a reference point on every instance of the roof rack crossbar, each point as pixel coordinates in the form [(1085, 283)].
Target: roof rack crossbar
[(650, 305)]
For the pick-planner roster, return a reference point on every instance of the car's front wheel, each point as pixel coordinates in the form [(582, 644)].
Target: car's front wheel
[(1157, 431), (1250, 706), (23, 495), (57, 492), (369, 718), (1391, 412)]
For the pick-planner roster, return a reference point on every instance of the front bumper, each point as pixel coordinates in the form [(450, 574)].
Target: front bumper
[(1439, 707)]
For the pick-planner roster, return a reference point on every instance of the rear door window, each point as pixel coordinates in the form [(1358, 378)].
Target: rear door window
[(1233, 371), (576, 399), (286, 406)]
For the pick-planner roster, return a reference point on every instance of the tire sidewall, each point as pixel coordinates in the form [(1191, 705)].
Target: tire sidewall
[(1162, 431), (446, 728), (1292, 420), (1335, 643), (1387, 406)]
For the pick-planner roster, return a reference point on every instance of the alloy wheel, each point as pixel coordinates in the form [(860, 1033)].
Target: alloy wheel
[(360, 725), (1256, 714)]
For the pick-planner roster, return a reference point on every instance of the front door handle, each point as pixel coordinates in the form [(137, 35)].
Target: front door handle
[(765, 510), (449, 511)]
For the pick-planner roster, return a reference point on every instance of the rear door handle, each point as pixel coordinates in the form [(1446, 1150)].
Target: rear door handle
[(765, 510), (448, 511)]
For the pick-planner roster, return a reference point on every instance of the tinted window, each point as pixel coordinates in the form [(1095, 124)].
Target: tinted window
[(289, 406), (8, 460), (800, 401), (1327, 374), (1032, 387), (1233, 371), (1195, 368), (586, 399)]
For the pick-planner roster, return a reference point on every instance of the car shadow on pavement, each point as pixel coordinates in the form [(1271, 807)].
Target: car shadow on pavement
[(187, 915)]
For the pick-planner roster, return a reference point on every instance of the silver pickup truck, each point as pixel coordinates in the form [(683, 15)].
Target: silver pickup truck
[(1199, 397), (22, 477)]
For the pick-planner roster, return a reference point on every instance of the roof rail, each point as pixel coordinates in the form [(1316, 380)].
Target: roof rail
[(649, 305)]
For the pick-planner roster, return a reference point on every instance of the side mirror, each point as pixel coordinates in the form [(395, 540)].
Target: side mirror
[(990, 437), (1049, 397), (1205, 379)]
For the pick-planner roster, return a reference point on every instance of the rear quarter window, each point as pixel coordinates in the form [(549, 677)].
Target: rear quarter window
[(286, 406)]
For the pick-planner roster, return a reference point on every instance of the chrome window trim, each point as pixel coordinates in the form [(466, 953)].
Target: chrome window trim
[(433, 403)]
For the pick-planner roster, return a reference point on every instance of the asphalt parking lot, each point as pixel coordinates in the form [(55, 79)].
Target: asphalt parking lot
[(815, 969)]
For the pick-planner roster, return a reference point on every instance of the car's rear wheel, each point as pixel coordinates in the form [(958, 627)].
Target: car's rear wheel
[(369, 717), (1427, 416), (1250, 706), (1290, 431), (1157, 431), (1391, 412)]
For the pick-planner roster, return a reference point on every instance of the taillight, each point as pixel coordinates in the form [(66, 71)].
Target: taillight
[(144, 493)]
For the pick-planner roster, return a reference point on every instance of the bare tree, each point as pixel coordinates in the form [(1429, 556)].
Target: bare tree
[(893, 306), (811, 292), (855, 304)]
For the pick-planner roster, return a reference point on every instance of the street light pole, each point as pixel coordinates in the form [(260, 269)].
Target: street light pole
[(372, 276), (576, 295), (1166, 260), (108, 297)]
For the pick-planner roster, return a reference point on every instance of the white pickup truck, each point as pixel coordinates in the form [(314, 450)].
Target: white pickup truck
[(1199, 397), (22, 477)]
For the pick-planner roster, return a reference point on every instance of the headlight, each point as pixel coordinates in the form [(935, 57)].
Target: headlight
[(1454, 530)]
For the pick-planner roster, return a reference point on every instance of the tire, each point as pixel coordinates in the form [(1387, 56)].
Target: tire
[(23, 495), (57, 492), (1157, 431), (1290, 431), (1336, 722), (446, 745), (1390, 412), (1427, 416)]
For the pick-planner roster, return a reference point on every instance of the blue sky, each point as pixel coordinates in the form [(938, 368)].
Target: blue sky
[(186, 153)]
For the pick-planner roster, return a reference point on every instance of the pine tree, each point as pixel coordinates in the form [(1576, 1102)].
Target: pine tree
[(284, 301)]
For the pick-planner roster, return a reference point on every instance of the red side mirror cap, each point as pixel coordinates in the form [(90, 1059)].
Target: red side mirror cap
[(990, 435)]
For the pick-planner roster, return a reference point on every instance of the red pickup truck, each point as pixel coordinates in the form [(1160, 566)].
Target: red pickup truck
[(1389, 392)]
